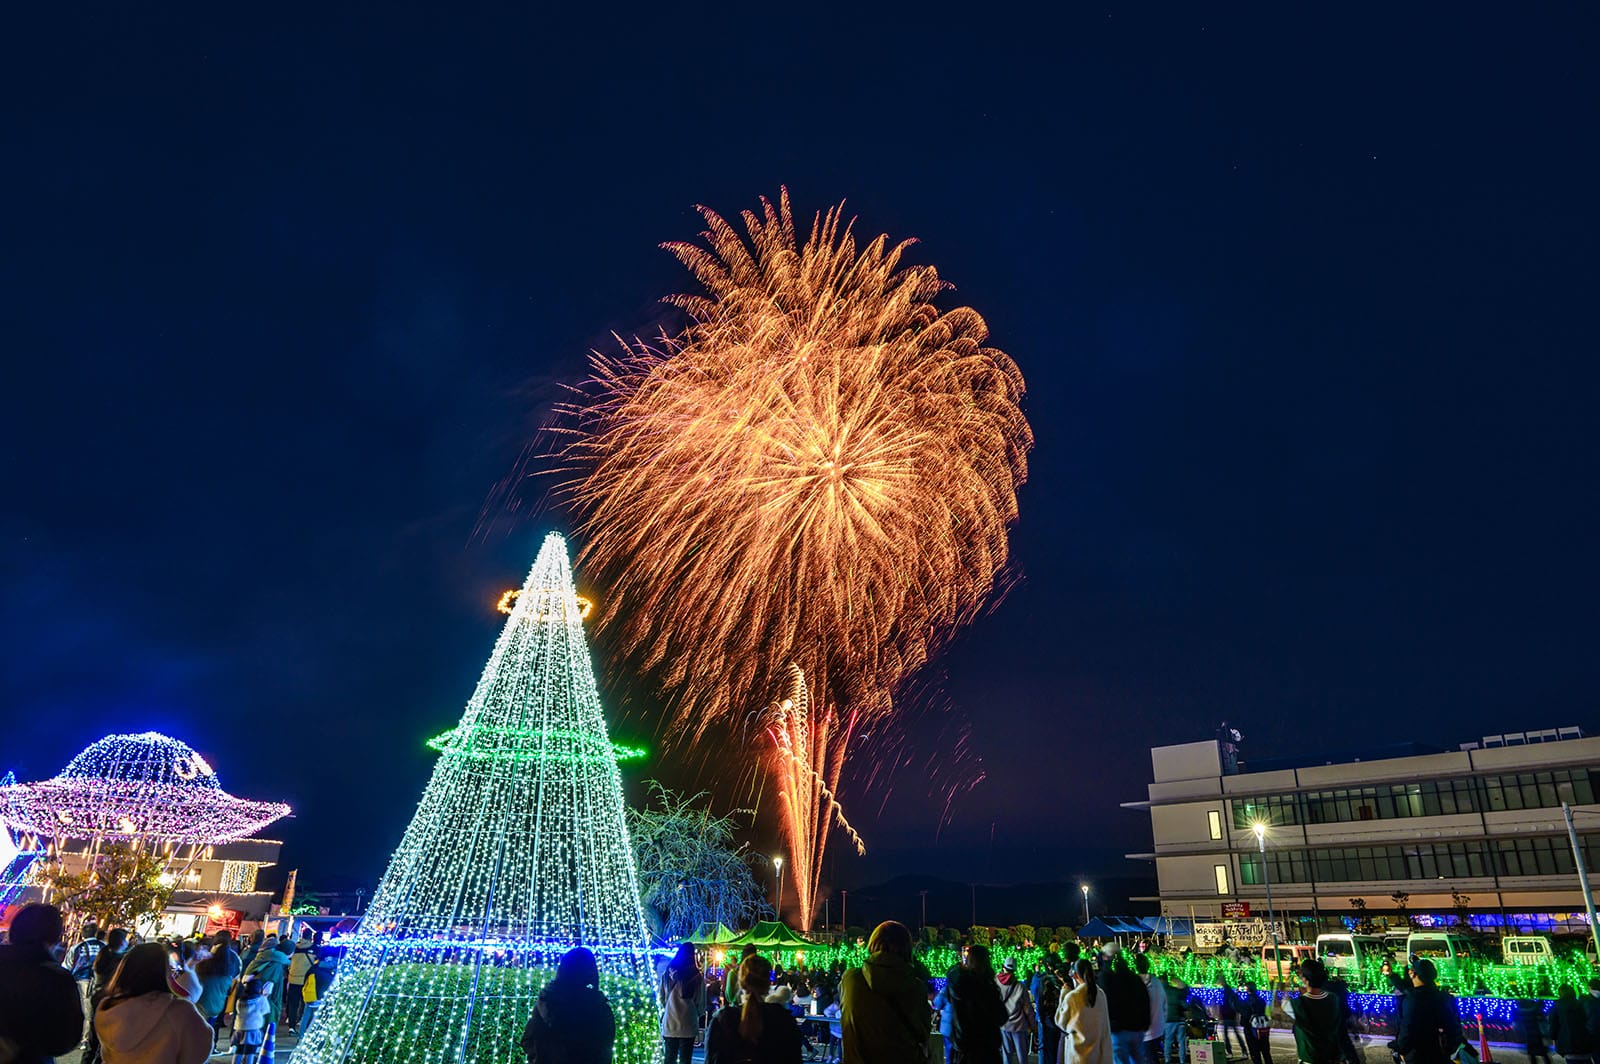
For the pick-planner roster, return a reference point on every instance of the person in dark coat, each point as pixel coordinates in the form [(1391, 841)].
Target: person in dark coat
[(758, 1031), (1128, 1002), (106, 963), (1530, 1030), (1318, 1017), (977, 1012), (1430, 1027), (41, 1012), (1046, 991), (1591, 1012), (883, 1005), (1569, 1027), (1228, 1003), (572, 1023), (1347, 1043)]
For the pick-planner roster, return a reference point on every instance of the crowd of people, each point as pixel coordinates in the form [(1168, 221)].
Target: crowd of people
[(167, 1002), (121, 1000), (1101, 1008)]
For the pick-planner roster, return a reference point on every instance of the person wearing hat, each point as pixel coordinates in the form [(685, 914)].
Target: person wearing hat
[(1430, 1028), (1018, 1026)]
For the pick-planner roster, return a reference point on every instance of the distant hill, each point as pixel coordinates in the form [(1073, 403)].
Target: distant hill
[(951, 904)]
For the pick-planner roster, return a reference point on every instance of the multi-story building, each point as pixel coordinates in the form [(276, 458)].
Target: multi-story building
[(1477, 829)]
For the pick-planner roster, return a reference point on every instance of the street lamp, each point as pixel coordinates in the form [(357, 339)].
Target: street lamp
[(1260, 830), (777, 863), (1085, 888)]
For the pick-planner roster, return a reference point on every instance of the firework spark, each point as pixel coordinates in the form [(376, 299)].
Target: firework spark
[(819, 469), (808, 747)]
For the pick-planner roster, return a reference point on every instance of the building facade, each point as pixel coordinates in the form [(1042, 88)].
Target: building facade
[(1476, 830)]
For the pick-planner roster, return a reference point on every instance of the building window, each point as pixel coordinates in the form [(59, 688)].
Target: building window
[(1222, 879), (1447, 797), (238, 877), (1214, 818)]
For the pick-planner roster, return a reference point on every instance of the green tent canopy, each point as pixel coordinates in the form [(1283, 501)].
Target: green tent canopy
[(716, 934), (768, 934)]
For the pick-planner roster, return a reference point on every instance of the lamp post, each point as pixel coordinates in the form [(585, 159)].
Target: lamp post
[(1085, 888), (777, 863), (1260, 830), (1564, 792)]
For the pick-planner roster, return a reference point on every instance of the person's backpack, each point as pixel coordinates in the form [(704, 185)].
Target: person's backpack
[(1049, 995)]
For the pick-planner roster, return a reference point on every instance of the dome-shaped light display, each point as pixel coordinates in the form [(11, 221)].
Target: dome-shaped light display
[(147, 787)]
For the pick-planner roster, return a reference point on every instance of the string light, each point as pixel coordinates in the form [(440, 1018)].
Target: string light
[(517, 852), (147, 787), (17, 857), (495, 746), (509, 599)]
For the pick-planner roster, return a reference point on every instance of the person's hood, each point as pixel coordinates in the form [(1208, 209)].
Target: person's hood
[(886, 973), (268, 959), (132, 1021)]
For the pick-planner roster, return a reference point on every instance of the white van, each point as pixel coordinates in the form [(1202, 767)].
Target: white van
[(1526, 949), (1444, 949), (1349, 954)]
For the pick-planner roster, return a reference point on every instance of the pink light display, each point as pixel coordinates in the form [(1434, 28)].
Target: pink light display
[(147, 787)]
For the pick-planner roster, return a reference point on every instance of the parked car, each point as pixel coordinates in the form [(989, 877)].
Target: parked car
[(1526, 949), (1349, 954), (1284, 964), (1445, 949)]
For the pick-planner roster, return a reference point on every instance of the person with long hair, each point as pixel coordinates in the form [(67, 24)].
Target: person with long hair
[(1084, 1019), (978, 1011), (758, 1031), (217, 973), (681, 995), (572, 1021), (884, 1013), (142, 1022)]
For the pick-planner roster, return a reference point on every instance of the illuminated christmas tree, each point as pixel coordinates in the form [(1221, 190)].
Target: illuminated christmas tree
[(517, 852)]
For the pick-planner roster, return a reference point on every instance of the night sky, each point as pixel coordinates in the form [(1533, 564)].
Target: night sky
[(1305, 306)]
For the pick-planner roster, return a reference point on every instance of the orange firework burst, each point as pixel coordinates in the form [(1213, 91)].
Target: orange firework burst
[(819, 469), (808, 746)]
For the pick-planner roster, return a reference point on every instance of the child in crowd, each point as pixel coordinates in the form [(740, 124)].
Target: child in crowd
[(252, 1005)]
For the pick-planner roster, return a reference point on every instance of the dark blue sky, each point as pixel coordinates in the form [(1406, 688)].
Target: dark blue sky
[(1304, 301)]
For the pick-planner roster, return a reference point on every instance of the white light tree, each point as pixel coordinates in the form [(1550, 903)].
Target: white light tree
[(518, 851)]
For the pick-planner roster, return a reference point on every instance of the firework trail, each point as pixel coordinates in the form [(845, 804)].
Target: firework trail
[(807, 755)]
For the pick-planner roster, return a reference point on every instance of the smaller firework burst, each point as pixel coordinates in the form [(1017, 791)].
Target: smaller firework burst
[(807, 754)]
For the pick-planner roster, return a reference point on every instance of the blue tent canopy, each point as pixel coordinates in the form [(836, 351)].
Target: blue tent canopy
[(1111, 927)]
